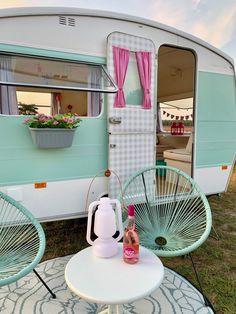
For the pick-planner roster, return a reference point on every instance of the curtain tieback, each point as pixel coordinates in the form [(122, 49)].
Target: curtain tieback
[(147, 91)]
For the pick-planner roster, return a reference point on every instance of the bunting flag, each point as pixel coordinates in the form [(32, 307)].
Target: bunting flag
[(172, 116)]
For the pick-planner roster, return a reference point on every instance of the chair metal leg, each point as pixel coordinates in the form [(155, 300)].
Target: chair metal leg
[(44, 283), (207, 303)]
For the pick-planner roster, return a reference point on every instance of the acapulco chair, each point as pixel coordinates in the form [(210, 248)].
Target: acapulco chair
[(22, 242), (172, 214)]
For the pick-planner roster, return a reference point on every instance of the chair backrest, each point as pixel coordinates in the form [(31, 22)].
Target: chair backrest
[(173, 216), (22, 240)]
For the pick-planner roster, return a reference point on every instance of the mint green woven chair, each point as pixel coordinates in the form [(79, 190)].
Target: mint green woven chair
[(22, 242), (173, 216)]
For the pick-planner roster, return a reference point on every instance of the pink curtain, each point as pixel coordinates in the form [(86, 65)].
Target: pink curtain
[(121, 60), (56, 106), (144, 68)]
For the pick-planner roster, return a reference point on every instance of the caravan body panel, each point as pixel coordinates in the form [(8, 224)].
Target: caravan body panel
[(83, 36)]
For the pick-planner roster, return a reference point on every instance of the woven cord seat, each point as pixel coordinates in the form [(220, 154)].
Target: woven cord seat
[(22, 241), (172, 214)]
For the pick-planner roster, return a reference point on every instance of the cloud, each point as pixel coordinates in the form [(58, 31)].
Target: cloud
[(218, 28), (214, 22), (167, 12)]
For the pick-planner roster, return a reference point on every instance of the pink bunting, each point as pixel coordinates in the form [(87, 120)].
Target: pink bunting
[(172, 116)]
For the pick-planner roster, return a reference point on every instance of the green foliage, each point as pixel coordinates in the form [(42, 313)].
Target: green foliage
[(185, 122), (26, 109)]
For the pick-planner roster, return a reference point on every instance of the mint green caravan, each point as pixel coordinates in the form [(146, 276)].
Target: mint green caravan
[(146, 93)]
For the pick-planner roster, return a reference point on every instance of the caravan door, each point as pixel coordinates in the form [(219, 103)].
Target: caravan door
[(132, 129)]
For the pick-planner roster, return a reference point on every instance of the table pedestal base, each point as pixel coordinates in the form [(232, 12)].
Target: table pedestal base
[(114, 309)]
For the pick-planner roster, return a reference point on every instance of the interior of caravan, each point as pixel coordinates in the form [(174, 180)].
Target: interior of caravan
[(175, 107)]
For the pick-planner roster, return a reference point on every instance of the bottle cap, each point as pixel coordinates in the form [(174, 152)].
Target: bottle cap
[(130, 210)]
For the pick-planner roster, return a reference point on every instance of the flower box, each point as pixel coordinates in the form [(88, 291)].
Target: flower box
[(52, 138), (53, 131)]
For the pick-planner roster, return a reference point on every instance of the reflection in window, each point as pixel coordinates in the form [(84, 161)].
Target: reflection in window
[(29, 71), (33, 102), (132, 88), (29, 85)]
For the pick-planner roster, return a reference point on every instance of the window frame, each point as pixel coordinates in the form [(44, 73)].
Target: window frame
[(86, 89)]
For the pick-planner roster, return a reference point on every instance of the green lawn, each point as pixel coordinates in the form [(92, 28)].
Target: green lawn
[(215, 259)]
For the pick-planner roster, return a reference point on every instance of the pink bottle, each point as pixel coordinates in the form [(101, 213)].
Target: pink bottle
[(131, 239)]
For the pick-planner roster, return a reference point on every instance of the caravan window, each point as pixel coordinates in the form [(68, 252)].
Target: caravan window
[(52, 85), (132, 87)]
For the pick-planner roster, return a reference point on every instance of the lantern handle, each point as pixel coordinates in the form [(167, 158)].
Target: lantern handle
[(107, 173), (92, 206), (120, 224)]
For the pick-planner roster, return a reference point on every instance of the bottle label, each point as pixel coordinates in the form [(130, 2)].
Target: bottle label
[(129, 252)]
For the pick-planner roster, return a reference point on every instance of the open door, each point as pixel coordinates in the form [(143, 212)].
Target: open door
[(132, 134), (175, 99)]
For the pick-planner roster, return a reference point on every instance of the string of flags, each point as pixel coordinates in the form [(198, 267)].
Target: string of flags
[(172, 116)]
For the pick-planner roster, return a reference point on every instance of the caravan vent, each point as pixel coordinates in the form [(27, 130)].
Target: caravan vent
[(71, 21), (63, 20)]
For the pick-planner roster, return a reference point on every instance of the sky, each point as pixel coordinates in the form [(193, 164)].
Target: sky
[(211, 20)]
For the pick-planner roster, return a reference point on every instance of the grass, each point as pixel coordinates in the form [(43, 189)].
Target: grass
[(215, 259)]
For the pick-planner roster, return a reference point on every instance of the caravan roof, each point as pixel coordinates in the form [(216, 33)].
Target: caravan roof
[(54, 10)]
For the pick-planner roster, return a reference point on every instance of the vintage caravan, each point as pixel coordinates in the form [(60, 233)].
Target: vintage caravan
[(124, 76)]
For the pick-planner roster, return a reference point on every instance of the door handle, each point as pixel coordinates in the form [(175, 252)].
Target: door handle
[(115, 120)]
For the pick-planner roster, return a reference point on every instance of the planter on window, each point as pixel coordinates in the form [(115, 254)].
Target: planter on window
[(52, 138)]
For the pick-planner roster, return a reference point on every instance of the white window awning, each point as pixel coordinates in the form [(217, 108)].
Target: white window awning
[(32, 71)]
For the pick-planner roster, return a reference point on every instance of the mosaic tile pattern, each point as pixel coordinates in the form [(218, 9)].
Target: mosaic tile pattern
[(176, 295)]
